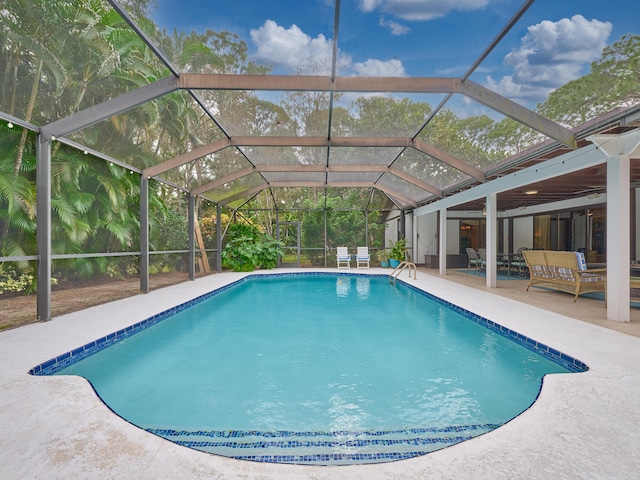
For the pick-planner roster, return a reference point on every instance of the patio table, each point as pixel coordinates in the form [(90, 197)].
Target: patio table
[(507, 258)]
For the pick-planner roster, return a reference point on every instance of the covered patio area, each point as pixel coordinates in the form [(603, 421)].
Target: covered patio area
[(586, 309)]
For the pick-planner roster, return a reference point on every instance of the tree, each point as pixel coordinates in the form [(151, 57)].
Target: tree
[(384, 116), (614, 81), (31, 38), (619, 69), (248, 248), (17, 199)]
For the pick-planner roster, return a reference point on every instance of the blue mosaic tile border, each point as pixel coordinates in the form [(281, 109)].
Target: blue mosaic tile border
[(325, 444), (312, 433), (331, 458), (228, 442), (62, 361), (566, 361)]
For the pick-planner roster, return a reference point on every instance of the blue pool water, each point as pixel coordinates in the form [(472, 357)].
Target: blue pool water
[(319, 369)]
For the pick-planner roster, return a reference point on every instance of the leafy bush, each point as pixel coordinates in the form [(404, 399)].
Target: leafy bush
[(397, 250), (14, 281), (247, 249), (269, 250)]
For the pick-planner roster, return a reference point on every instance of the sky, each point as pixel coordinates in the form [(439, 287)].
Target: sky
[(553, 43)]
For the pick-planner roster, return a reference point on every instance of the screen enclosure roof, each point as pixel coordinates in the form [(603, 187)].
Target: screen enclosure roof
[(216, 108)]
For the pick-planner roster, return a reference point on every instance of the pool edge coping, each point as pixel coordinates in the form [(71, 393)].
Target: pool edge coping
[(59, 362)]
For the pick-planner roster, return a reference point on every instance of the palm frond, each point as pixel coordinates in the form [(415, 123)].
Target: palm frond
[(65, 210)]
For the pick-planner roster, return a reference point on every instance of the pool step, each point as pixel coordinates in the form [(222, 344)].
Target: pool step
[(324, 448)]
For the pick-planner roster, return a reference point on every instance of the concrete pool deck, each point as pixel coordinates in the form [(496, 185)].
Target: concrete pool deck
[(584, 425)]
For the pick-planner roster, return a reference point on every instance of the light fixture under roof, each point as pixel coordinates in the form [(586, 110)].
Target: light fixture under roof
[(531, 192)]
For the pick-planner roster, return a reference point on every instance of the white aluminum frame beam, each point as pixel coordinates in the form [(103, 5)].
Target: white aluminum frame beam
[(240, 141), (252, 191), (450, 160), (186, 158), (573, 161), (309, 83), (104, 110), (317, 169), (519, 113)]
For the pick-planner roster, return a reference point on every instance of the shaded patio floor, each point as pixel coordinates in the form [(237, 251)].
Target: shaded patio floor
[(585, 308)]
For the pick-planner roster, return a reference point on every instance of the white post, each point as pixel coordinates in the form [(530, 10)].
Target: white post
[(442, 238), (637, 208), (618, 238), (492, 239), (619, 149), (414, 239)]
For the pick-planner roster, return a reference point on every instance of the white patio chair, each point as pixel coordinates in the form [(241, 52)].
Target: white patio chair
[(344, 259), (363, 257)]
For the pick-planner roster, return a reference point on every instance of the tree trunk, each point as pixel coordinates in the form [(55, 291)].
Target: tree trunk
[(27, 117)]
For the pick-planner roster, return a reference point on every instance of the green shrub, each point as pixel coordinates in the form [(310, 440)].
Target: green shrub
[(247, 249), (397, 250), (269, 250), (12, 281)]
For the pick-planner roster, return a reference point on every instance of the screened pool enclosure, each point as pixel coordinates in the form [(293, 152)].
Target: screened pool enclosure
[(130, 144)]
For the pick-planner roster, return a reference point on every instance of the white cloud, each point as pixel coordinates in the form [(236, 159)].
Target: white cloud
[(394, 27), (288, 47), (420, 10), (379, 68), (551, 54), (291, 48), (370, 5)]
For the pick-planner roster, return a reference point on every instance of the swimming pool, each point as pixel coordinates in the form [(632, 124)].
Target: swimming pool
[(378, 404)]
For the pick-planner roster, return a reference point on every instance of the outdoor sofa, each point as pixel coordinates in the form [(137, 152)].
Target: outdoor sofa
[(634, 291), (564, 271)]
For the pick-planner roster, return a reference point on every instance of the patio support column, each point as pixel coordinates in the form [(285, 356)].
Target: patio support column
[(636, 248), (491, 239), (218, 238), (414, 239), (278, 233), (191, 213), (619, 149), (618, 238), (43, 232), (144, 234), (442, 242)]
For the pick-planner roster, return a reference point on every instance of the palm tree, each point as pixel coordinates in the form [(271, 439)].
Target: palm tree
[(32, 36)]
